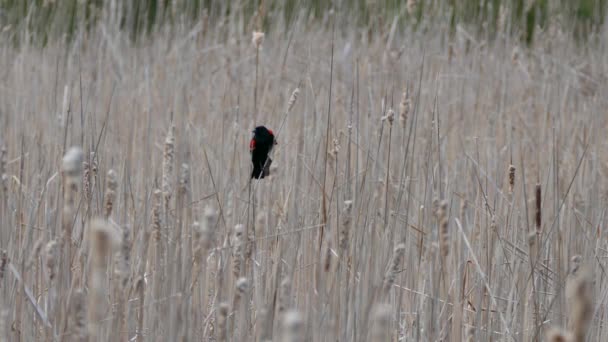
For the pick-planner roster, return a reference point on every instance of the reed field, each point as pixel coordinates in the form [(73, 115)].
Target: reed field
[(437, 177)]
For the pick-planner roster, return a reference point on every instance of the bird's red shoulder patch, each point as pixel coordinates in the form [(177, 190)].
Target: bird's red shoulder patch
[(271, 132), (252, 145)]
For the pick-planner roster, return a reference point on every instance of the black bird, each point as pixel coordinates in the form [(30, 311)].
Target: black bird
[(260, 145)]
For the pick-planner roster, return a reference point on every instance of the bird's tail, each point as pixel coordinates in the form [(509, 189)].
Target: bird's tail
[(261, 171)]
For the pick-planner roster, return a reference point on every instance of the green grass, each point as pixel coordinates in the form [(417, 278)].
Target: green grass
[(44, 20)]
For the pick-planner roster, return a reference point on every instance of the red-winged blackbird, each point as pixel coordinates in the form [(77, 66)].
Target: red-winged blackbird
[(260, 145)]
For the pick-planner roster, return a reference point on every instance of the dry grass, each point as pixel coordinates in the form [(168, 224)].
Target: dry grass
[(344, 241)]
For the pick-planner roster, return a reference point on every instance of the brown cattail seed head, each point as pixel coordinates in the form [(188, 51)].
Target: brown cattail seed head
[(238, 240), (184, 178), (444, 238), (346, 222), (411, 6), (538, 210), (3, 263), (156, 215), (3, 175), (511, 178), (555, 334), (394, 266), (404, 108), (390, 116), (112, 185), (102, 242), (575, 264), (168, 154), (50, 259), (257, 39)]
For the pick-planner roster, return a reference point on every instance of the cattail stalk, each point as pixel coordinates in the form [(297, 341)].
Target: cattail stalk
[(102, 241), (72, 175)]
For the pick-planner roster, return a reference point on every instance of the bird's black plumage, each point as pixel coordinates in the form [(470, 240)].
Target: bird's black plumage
[(260, 146)]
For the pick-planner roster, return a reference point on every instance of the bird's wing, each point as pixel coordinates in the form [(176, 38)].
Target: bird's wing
[(252, 145)]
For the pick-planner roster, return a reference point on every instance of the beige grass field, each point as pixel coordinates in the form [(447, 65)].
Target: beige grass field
[(422, 189)]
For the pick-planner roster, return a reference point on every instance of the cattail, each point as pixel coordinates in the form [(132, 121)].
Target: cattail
[(575, 264), (511, 179), (110, 193), (123, 257), (78, 316), (444, 237), (156, 216), (404, 108), (50, 259), (292, 99), (411, 6), (580, 294), (257, 39), (537, 211), (86, 182), (555, 334), (203, 236), (242, 285), (381, 323), (168, 155), (184, 179), (72, 170), (102, 240), (237, 249), (284, 296), (3, 175), (345, 227), (390, 116), (221, 322), (470, 334), (88, 177), (393, 268), (3, 263), (336, 148), (293, 327)]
